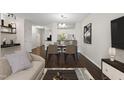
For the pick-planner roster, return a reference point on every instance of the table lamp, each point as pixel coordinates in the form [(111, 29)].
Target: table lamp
[(112, 53)]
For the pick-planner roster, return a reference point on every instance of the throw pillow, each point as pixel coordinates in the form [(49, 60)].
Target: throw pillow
[(5, 69), (18, 61), (28, 54)]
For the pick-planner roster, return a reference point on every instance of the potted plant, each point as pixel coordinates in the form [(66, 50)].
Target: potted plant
[(62, 37)]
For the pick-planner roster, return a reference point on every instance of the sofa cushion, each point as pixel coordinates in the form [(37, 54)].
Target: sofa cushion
[(5, 69), (29, 74), (28, 54), (18, 61)]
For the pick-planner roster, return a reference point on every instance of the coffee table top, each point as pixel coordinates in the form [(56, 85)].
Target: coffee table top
[(66, 74)]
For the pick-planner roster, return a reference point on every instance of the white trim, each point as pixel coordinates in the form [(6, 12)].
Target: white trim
[(92, 61), (87, 73)]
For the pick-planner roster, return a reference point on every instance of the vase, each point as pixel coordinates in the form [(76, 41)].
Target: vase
[(62, 42)]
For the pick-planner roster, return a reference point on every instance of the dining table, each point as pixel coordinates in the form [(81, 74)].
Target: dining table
[(62, 47)]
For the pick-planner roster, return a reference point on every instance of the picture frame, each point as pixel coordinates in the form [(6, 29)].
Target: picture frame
[(88, 34)]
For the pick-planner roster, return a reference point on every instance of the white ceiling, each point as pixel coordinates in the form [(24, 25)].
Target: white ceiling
[(47, 18)]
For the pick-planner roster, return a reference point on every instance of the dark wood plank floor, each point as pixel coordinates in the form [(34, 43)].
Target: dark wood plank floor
[(82, 62), (70, 62)]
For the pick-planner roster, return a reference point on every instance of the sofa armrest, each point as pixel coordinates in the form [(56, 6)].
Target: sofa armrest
[(37, 58)]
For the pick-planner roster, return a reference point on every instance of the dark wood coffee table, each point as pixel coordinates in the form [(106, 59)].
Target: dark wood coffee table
[(66, 74)]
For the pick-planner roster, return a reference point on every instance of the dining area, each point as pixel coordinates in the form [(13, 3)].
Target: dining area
[(63, 52)]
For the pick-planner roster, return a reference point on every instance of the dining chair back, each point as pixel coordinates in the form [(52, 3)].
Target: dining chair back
[(71, 50), (52, 50), (74, 42)]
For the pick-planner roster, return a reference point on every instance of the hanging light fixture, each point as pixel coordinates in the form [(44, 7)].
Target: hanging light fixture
[(62, 16), (62, 25)]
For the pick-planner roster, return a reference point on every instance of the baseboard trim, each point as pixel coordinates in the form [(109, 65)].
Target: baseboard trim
[(91, 60), (92, 67)]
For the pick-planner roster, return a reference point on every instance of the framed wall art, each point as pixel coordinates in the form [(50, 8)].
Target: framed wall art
[(88, 33)]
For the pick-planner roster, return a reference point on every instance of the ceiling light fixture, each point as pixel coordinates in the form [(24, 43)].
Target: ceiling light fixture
[(62, 25), (39, 27), (63, 16)]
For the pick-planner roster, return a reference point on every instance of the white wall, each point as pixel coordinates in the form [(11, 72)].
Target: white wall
[(24, 34), (8, 37), (20, 31), (0, 35), (18, 38), (37, 37), (52, 29), (42, 36), (101, 38), (74, 31), (28, 35)]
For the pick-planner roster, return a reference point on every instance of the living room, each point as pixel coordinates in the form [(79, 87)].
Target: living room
[(30, 36), (94, 29), (33, 37)]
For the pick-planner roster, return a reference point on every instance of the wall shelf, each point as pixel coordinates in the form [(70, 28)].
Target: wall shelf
[(8, 27), (11, 30), (10, 45), (7, 32)]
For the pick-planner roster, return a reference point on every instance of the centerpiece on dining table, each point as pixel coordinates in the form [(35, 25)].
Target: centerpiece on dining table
[(61, 38)]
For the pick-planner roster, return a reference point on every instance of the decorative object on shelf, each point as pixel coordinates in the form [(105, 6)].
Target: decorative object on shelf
[(4, 41), (13, 25), (112, 53), (11, 42), (9, 25), (14, 31), (2, 22), (10, 29), (88, 33), (49, 38)]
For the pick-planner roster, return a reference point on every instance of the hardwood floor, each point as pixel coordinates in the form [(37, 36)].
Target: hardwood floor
[(70, 63), (92, 68)]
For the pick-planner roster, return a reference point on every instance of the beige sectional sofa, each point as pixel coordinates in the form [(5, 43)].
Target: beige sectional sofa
[(33, 73)]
